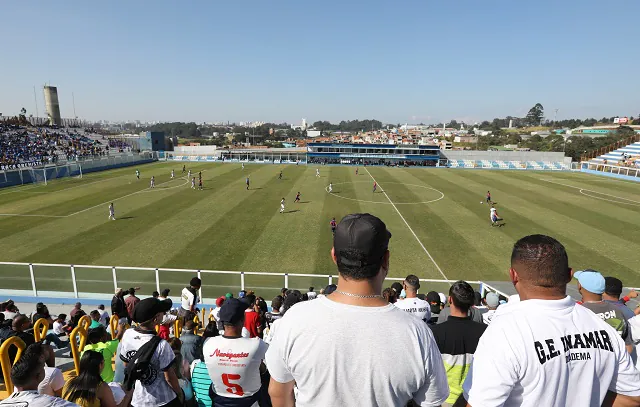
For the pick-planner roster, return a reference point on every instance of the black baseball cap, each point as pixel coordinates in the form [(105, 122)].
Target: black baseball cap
[(612, 286), (360, 240), (146, 309), (330, 288), (232, 311)]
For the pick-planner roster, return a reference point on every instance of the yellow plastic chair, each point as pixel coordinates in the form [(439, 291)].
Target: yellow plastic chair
[(113, 326), (196, 321), (77, 341), (177, 328), (40, 329), (211, 314), (85, 322), (6, 362)]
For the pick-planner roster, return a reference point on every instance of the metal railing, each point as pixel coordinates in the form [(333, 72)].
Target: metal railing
[(70, 280), (610, 147), (612, 169)]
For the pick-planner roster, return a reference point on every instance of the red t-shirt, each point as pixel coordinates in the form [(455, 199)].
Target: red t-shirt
[(252, 322)]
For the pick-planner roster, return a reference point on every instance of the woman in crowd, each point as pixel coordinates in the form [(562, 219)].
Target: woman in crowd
[(88, 389)]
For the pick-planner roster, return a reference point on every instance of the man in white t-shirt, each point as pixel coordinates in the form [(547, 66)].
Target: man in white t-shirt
[(333, 348), (159, 386), (234, 362), (189, 300), (413, 304), (26, 374), (546, 350)]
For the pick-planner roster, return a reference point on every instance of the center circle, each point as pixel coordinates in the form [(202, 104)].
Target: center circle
[(387, 202)]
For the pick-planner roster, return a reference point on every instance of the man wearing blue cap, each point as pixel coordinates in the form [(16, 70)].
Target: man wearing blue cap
[(591, 285)]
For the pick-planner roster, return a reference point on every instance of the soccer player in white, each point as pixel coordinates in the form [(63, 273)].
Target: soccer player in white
[(317, 172), (234, 363), (189, 174), (494, 216), (243, 166), (138, 174), (193, 183), (112, 212), (153, 182), (330, 187), (282, 206), (172, 174)]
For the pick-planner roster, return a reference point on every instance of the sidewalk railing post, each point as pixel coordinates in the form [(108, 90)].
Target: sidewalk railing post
[(73, 280), (33, 280)]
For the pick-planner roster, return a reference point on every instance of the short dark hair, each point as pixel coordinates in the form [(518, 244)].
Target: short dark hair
[(195, 282), (397, 287), (132, 291), (94, 314), (462, 295), (542, 261), (96, 335), (251, 299), (276, 303), (412, 281), (155, 294), (25, 368), (165, 292)]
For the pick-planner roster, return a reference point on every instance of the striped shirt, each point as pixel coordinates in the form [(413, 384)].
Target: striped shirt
[(201, 383)]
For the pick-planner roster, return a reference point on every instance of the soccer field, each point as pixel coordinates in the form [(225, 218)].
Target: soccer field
[(440, 229)]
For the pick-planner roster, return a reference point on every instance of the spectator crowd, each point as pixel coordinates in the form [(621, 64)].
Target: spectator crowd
[(22, 146), (355, 343)]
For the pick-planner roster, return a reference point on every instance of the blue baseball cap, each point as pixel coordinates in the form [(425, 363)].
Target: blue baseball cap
[(590, 280), (242, 294)]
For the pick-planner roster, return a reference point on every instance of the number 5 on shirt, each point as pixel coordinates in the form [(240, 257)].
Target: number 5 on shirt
[(232, 388)]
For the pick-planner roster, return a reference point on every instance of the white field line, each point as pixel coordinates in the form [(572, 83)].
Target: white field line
[(34, 216), (125, 196), (581, 190), (406, 223)]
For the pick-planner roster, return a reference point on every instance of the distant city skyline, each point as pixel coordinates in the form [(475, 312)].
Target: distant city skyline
[(409, 62)]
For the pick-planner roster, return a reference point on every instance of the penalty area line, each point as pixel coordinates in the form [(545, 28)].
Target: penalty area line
[(406, 223)]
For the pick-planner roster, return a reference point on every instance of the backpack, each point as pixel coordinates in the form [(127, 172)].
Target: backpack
[(140, 364)]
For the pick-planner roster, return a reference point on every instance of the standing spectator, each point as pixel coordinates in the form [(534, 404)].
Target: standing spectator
[(155, 295), (591, 285), (164, 294), (160, 386), (252, 318), (77, 312), (474, 313), (612, 293), (190, 299), (26, 374), (98, 341), (321, 345), (234, 380), (435, 306), (274, 314), (389, 294), (181, 369), (411, 303), (118, 307), (546, 350), (131, 301), (104, 315), (312, 294), (457, 338), (491, 301), (215, 313), (191, 348)]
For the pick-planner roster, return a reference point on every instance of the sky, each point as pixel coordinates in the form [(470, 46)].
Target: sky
[(404, 61)]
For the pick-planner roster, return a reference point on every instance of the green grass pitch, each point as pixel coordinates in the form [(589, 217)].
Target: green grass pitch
[(438, 224)]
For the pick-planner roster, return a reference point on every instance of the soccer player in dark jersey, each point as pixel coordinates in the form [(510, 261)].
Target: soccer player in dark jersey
[(375, 186), (488, 196), (280, 176), (247, 181), (333, 226), (297, 197), (184, 169), (200, 184)]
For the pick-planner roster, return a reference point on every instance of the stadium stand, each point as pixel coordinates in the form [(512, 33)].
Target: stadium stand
[(627, 156), (26, 146)]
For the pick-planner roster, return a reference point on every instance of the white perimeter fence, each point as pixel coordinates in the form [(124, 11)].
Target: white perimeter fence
[(84, 281)]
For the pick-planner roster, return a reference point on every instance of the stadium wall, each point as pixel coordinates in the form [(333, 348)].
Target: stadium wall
[(521, 156), (611, 175), (22, 176)]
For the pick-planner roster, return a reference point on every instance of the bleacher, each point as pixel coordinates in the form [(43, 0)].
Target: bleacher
[(617, 156), (509, 165)]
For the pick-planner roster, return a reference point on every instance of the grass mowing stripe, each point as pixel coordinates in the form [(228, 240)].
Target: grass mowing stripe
[(332, 207), (216, 249), (161, 241), (108, 235), (458, 221), (409, 227), (592, 250)]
